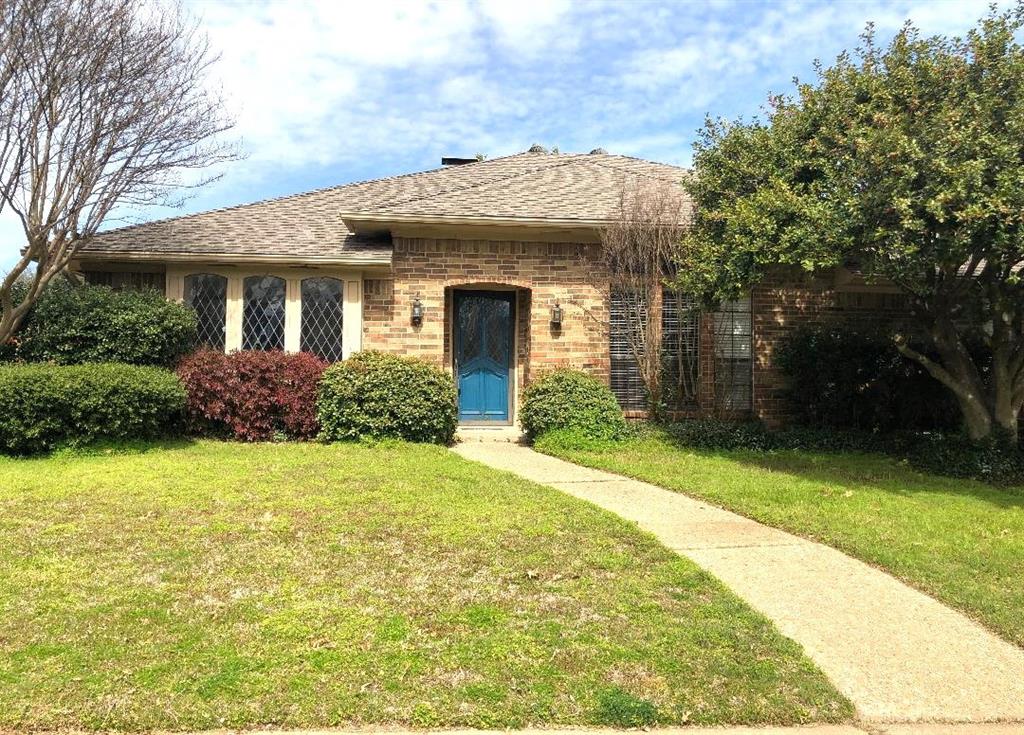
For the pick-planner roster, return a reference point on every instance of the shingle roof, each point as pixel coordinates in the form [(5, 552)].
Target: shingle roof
[(309, 226)]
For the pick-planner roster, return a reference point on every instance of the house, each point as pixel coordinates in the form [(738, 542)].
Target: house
[(487, 268)]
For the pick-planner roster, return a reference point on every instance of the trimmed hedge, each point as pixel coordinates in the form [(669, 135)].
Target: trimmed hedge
[(46, 406), (952, 455), (571, 399), (252, 396), (70, 325), (378, 395), (856, 379)]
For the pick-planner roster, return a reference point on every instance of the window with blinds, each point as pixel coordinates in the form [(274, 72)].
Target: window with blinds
[(734, 355), (626, 383), (680, 347)]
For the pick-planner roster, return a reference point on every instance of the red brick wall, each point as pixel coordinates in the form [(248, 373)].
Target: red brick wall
[(790, 299), (541, 273)]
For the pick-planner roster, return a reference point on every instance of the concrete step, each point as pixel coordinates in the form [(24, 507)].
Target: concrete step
[(504, 434)]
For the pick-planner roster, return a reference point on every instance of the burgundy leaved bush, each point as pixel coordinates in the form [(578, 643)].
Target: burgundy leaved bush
[(252, 396)]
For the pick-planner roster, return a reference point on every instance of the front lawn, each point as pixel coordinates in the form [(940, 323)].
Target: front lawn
[(958, 540), (224, 585)]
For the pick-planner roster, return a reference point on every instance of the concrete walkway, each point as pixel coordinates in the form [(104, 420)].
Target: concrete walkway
[(897, 654)]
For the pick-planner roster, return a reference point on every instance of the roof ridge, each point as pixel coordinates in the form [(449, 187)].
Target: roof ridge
[(300, 195), (569, 159), (639, 173), (481, 184)]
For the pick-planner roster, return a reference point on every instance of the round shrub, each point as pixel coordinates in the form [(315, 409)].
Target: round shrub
[(571, 399), (378, 395), (70, 325), (45, 406), (252, 396)]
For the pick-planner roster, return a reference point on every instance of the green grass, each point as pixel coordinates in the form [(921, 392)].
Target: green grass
[(223, 585), (960, 541)]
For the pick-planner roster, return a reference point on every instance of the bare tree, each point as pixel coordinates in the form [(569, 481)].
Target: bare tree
[(104, 104), (636, 254)]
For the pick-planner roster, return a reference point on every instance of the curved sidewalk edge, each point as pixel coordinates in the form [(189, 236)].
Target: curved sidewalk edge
[(895, 653)]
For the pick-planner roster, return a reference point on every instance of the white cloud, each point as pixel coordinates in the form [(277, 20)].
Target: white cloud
[(529, 27), (329, 91), (291, 70)]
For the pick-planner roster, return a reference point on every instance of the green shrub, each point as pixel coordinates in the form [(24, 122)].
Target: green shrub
[(953, 455), (45, 406), (991, 460), (70, 325), (755, 436), (9, 348), (376, 395), (855, 379), (571, 399)]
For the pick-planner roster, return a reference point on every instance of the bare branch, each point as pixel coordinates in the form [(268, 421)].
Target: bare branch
[(104, 104), (635, 256), (935, 369)]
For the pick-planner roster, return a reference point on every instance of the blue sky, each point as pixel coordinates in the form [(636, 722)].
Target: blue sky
[(331, 92)]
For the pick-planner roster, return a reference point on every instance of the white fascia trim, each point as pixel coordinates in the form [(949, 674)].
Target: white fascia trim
[(297, 260), (430, 219)]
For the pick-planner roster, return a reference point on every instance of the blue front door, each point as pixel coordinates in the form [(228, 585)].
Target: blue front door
[(483, 354)]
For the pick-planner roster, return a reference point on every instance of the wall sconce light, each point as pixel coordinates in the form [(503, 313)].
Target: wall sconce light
[(556, 316), (417, 311)]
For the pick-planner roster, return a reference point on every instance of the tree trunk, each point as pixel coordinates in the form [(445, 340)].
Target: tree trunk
[(957, 370), (1005, 407), (977, 418), (996, 408)]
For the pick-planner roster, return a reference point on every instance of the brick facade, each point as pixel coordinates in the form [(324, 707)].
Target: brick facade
[(790, 299), (544, 273), (541, 273)]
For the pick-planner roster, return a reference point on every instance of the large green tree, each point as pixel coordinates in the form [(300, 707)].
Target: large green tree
[(906, 158)]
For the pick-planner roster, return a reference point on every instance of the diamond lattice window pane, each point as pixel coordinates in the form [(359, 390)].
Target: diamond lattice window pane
[(208, 295), (497, 315), (263, 314), (469, 329), (321, 317)]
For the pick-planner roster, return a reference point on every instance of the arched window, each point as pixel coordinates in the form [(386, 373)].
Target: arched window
[(263, 313), (208, 295), (321, 317)]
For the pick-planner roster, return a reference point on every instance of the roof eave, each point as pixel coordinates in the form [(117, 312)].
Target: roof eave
[(352, 220), (179, 257)]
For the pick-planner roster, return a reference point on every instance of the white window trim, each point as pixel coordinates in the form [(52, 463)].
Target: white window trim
[(352, 309)]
